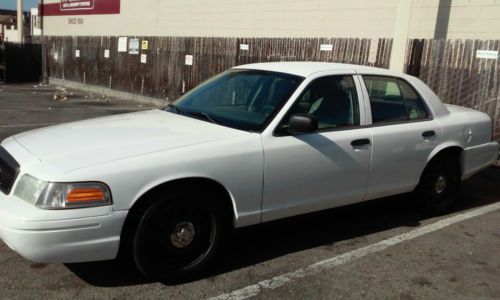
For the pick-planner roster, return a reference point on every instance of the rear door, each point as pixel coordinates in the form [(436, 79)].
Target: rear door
[(404, 134)]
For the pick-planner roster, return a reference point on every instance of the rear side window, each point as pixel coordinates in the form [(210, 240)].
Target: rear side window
[(393, 100)]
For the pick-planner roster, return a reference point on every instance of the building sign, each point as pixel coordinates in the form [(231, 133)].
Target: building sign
[(76, 4), (81, 7)]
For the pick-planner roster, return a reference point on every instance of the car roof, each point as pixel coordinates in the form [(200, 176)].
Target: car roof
[(307, 68)]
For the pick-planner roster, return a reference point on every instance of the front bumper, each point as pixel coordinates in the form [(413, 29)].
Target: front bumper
[(60, 236)]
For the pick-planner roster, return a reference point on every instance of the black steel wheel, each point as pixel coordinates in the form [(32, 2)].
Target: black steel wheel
[(438, 186), (176, 238)]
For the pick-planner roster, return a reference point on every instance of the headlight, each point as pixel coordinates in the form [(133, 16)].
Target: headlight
[(56, 195)]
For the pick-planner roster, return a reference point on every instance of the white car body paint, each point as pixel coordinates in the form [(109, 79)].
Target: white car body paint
[(267, 177)]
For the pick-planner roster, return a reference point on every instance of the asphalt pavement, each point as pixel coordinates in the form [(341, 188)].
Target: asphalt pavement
[(383, 249)]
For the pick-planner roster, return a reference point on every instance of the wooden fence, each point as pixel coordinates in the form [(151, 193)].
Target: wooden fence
[(449, 67), (452, 70), (165, 74)]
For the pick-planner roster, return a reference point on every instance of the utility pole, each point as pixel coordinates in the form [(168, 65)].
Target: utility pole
[(20, 21), (400, 40)]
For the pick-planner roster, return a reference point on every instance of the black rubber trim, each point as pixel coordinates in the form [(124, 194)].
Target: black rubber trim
[(9, 169)]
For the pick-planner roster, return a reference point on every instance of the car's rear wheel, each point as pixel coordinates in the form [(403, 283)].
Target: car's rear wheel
[(177, 237), (438, 186)]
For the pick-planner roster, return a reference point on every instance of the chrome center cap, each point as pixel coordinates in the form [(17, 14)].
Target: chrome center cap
[(182, 235), (440, 185)]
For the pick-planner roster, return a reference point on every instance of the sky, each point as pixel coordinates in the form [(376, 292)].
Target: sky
[(12, 4)]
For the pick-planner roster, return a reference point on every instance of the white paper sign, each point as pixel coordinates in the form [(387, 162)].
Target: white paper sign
[(77, 53), (326, 47), (189, 60), (244, 47), (133, 46), (56, 56), (144, 58), (488, 54), (106, 53), (122, 44)]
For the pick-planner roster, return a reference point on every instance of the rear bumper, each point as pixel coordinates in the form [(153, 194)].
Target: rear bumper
[(479, 157), (61, 236)]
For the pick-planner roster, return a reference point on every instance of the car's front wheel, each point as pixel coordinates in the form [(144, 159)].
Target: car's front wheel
[(177, 237), (438, 186)]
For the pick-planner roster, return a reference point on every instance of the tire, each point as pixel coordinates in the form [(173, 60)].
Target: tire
[(438, 187), (177, 238)]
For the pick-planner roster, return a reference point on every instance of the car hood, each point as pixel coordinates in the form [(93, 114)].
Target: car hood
[(81, 144)]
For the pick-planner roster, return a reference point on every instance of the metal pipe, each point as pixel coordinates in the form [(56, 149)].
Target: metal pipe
[(20, 21)]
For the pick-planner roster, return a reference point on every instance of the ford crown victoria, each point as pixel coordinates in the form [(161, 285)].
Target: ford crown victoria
[(256, 143)]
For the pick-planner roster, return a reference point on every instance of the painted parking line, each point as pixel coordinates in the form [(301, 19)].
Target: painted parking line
[(26, 125), (330, 263)]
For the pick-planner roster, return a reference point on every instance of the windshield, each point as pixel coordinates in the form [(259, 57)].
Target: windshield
[(241, 99)]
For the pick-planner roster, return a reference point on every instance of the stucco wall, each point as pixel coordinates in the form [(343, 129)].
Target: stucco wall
[(469, 19)]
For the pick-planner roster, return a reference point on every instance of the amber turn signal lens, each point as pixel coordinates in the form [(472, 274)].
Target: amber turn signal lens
[(85, 195)]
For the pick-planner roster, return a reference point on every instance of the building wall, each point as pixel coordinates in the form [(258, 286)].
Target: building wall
[(468, 19), (10, 35)]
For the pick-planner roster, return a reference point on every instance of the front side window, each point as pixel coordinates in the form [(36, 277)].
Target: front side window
[(331, 100), (393, 100), (242, 99)]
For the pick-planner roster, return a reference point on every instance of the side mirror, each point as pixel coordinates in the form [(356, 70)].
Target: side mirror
[(302, 124)]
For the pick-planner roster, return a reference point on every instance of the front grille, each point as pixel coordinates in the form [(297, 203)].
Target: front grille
[(9, 169)]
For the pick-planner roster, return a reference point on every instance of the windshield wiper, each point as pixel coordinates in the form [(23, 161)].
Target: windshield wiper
[(203, 115), (175, 108), (196, 114)]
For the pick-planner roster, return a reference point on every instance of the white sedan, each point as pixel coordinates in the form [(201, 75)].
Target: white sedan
[(256, 143)]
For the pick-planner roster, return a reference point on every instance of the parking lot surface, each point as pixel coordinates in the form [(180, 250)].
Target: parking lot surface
[(380, 249)]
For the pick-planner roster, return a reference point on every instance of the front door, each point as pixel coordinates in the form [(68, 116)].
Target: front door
[(323, 169)]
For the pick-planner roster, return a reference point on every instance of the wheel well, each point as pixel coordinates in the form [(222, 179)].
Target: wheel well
[(201, 185), (451, 153)]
